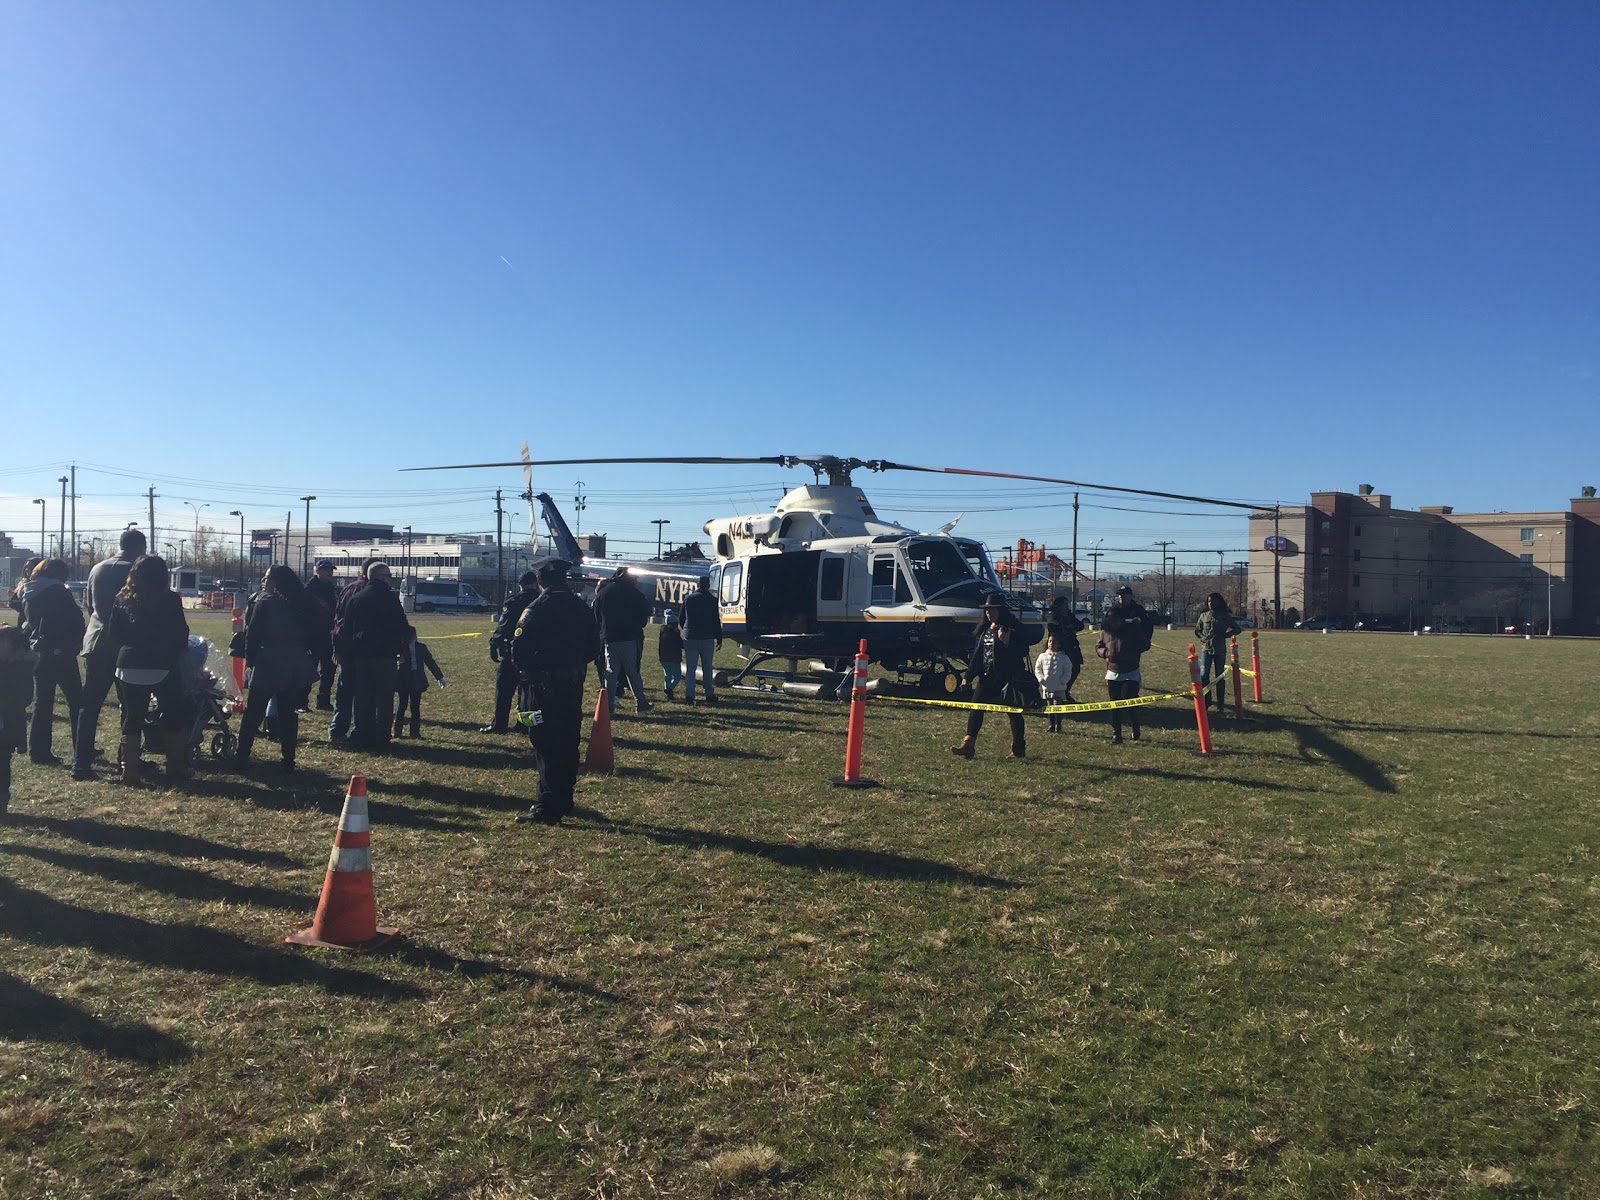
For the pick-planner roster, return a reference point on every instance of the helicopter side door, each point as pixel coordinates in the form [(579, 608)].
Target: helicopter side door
[(834, 599)]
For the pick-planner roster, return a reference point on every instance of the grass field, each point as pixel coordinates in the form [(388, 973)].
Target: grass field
[(1356, 952)]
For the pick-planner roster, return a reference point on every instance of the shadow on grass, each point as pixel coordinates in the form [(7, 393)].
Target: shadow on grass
[(628, 743), (325, 793), (161, 841), (873, 864), (184, 883), (443, 793), (1313, 741), (1476, 731), (432, 959), (40, 920), (28, 1014)]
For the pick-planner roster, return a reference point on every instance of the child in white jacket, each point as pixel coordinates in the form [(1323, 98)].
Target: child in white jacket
[(1054, 670)]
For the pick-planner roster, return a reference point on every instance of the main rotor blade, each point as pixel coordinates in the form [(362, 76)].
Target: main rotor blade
[(777, 460), (884, 465)]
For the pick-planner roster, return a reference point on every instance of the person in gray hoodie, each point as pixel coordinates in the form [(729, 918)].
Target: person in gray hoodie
[(99, 652)]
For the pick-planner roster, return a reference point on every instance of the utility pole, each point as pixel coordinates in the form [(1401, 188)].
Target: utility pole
[(1277, 567), (74, 574), (288, 535), (1165, 607), (658, 522), (61, 538), (1074, 552), (1094, 584), (305, 549), (152, 518), (499, 549)]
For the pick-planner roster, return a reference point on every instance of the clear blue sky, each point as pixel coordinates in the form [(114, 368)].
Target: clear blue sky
[(252, 251)]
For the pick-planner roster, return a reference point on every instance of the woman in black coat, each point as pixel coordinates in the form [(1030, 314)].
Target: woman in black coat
[(999, 656), (55, 629), (148, 624), (285, 630)]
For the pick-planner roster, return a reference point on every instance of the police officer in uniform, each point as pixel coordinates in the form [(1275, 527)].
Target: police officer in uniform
[(500, 642), (555, 641)]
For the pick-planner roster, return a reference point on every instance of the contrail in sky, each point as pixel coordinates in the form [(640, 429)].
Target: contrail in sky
[(508, 262)]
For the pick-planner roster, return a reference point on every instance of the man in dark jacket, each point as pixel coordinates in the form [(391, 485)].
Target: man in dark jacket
[(500, 642), (1138, 627), (55, 633), (374, 630), (554, 643), (622, 611), (702, 638), (321, 587), (106, 578), (999, 656), (343, 692)]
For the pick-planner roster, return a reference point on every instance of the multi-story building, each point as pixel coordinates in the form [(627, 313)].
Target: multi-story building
[(1359, 557)]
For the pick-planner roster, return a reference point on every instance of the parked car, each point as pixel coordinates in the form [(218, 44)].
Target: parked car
[(1445, 627), (1321, 623)]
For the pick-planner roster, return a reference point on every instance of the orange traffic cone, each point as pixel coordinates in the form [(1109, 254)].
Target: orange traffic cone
[(347, 914), (599, 758)]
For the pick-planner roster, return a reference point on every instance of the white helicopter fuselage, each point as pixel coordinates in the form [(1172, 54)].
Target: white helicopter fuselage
[(823, 571)]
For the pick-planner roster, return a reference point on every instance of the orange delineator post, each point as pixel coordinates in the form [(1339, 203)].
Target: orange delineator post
[(347, 914), (1255, 666), (600, 758), (858, 722), (1201, 720), (1233, 662), (238, 663)]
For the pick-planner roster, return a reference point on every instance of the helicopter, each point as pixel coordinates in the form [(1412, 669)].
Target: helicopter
[(823, 571)]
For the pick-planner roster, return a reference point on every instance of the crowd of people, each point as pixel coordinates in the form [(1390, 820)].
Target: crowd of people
[(357, 649)]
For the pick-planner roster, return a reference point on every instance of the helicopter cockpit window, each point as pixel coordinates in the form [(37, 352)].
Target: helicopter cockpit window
[(944, 573), (889, 586), (732, 578)]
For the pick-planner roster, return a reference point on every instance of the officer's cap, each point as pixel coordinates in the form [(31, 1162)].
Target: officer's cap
[(527, 579), (554, 571)]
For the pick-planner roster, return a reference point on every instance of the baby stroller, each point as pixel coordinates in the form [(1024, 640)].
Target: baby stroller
[(212, 695)]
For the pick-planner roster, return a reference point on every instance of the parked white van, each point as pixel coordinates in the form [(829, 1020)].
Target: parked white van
[(445, 596)]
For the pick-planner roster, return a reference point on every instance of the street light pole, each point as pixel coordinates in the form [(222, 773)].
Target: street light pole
[(61, 541), (305, 547), (658, 523), (234, 512), (578, 505), (42, 506), (1094, 583), (197, 508)]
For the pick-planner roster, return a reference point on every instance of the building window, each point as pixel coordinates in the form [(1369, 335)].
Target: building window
[(1394, 584), (1527, 561), (1355, 581), (1527, 537), (1357, 531), (1357, 554), (1395, 529), (1327, 527)]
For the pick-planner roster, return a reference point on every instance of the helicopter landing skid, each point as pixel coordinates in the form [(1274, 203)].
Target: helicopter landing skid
[(824, 681)]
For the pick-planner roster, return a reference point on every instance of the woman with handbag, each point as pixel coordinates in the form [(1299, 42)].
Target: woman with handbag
[(999, 660), (286, 626)]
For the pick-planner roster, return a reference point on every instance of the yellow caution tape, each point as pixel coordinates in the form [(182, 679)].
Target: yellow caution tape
[(1047, 710), (445, 637)]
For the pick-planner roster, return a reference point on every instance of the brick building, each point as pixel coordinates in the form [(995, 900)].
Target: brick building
[(1356, 556)]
